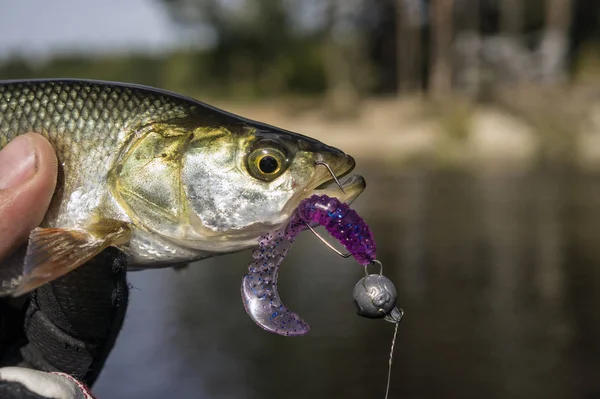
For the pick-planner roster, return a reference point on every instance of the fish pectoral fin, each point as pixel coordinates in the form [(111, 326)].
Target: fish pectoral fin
[(181, 268), (53, 252)]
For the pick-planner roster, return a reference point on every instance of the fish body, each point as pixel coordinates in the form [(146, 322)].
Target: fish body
[(164, 178)]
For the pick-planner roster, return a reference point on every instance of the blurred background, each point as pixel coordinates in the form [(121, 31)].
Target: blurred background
[(477, 126)]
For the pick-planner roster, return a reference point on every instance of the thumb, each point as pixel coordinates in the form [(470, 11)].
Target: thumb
[(28, 169), (23, 383)]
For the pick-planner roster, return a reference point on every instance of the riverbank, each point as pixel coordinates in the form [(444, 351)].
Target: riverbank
[(516, 130)]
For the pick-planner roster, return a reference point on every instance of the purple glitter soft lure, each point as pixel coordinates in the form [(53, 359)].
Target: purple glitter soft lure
[(259, 286)]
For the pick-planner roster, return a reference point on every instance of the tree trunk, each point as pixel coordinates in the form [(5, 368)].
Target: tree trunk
[(511, 17), (440, 78), (408, 48), (341, 93), (468, 44), (554, 46)]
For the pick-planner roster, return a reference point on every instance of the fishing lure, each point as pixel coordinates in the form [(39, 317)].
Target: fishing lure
[(259, 286), (374, 295)]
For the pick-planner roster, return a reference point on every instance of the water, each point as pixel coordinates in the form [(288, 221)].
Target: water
[(498, 275)]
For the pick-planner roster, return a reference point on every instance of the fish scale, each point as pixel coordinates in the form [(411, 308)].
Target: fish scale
[(77, 117)]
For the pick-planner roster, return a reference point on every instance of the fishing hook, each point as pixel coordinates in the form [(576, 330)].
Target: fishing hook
[(343, 255), (323, 163)]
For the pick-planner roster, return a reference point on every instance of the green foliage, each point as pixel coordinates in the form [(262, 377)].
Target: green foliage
[(257, 53), (207, 72), (274, 48)]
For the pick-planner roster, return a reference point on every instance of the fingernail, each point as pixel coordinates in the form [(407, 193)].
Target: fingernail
[(17, 163)]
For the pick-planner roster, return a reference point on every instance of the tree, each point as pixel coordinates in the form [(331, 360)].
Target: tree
[(408, 45), (250, 36), (555, 42), (441, 17), (511, 17)]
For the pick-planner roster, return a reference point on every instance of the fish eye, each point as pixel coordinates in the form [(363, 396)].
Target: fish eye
[(266, 163)]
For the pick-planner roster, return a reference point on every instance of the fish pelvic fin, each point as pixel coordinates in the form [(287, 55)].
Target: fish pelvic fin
[(53, 252)]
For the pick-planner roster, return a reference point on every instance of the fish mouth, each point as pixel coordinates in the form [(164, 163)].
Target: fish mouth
[(352, 185), (323, 182)]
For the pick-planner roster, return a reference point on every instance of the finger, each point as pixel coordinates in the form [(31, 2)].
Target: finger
[(28, 170)]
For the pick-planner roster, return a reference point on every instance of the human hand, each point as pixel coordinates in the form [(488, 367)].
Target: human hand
[(68, 326)]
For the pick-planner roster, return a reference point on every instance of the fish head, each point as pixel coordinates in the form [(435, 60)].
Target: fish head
[(218, 189), (240, 185)]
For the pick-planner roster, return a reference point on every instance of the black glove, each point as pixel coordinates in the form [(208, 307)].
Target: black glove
[(67, 326)]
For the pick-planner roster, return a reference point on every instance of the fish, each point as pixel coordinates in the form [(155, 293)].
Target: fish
[(166, 179)]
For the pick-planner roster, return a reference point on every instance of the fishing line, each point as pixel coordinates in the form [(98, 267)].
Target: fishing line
[(389, 376), (374, 295), (375, 298)]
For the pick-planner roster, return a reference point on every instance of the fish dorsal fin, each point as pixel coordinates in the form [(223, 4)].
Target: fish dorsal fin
[(53, 252)]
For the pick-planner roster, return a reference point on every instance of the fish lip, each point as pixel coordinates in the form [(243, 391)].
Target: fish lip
[(338, 176), (353, 186)]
